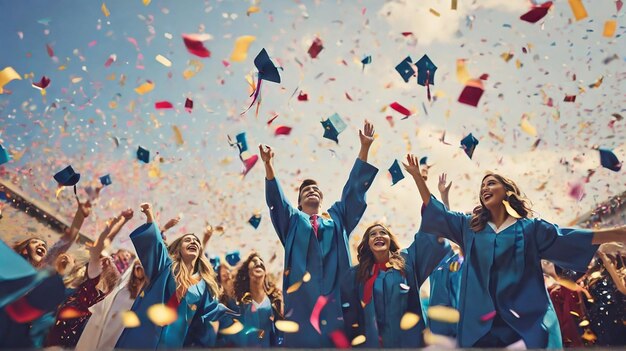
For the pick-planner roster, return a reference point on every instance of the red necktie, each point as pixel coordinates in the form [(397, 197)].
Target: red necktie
[(368, 288), (314, 223)]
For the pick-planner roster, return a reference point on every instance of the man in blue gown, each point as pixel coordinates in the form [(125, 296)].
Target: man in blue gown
[(316, 247)]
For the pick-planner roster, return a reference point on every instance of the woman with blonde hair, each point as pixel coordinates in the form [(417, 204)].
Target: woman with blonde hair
[(182, 279), (384, 286), (503, 300)]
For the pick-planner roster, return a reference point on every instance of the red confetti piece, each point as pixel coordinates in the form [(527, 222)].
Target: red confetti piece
[(163, 104), (570, 98), (315, 48), (406, 34), (282, 130), (225, 63), (188, 105), (348, 97), (42, 84), (50, 51), (390, 120), (489, 316), (340, 340), (110, 60), (317, 309), (403, 110), (249, 163), (303, 97), (194, 45), (536, 12), (272, 120), (472, 93), (484, 76), (577, 191)]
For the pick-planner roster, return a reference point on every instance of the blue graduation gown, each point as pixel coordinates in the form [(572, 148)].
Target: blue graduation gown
[(394, 294), (444, 291), (17, 276), (326, 258), (196, 309), (512, 258)]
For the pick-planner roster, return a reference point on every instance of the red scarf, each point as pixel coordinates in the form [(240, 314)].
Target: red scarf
[(368, 289)]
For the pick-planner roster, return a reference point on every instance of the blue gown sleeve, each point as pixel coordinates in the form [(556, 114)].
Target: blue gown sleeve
[(151, 249), (281, 210), (352, 204), (425, 253), (438, 220), (17, 276), (201, 331), (568, 248), (351, 305)]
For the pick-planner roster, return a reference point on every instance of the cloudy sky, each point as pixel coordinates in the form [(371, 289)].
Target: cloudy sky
[(92, 117)]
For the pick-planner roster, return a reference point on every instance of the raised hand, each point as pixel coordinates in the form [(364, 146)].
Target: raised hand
[(267, 154), (443, 188), (171, 223), (127, 214), (85, 208), (367, 134), (413, 166), (208, 233), (146, 209)]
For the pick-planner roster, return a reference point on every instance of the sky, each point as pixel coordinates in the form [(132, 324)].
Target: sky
[(92, 118)]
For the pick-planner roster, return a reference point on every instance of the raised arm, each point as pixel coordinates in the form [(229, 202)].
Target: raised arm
[(425, 253), (607, 235), (94, 268), (71, 234), (413, 168), (170, 224), (151, 249), (208, 233), (281, 210), (117, 225), (367, 138), (444, 190)]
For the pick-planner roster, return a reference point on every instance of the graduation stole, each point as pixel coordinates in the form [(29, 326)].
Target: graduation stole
[(368, 288)]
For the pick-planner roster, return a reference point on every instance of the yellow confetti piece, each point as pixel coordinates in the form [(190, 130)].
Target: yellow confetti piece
[(178, 136), (112, 104), (583, 323), (287, 326), (306, 277), (146, 2), (434, 339), (507, 56), (58, 192), (144, 88), (409, 320), (6, 75), (111, 76), (574, 313), (434, 12), (462, 75), (453, 5), (105, 11), (195, 67), (358, 340), (443, 314), (294, 287), (527, 127), (76, 79), (240, 51), (510, 210), (609, 28), (163, 60), (162, 315), (589, 335), (235, 328), (130, 319), (251, 85), (252, 9), (578, 9)]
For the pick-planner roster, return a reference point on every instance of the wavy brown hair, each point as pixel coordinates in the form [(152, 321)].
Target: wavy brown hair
[(136, 284), (183, 276), (20, 246), (242, 286), (521, 205), (366, 257)]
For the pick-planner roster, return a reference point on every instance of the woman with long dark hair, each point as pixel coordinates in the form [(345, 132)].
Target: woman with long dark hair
[(503, 299), (260, 304), (384, 287), (182, 279)]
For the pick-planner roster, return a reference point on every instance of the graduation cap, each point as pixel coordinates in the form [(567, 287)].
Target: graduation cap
[(426, 73), (42, 84), (4, 155), (472, 92), (44, 298), (267, 69), (215, 262), (242, 143), (396, 172), (143, 155), (366, 61), (255, 220), (67, 176), (469, 144), (233, 257), (105, 180), (536, 12), (333, 126), (609, 160), (405, 69)]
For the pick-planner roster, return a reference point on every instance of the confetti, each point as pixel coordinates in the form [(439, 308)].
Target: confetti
[(317, 309), (578, 9), (443, 314), (105, 11), (144, 88), (240, 51), (609, 28), (194, 44), (409, 320), (6, 75), (161, 314), (130, 319), (164, 61), (287, 326), (233, 329)]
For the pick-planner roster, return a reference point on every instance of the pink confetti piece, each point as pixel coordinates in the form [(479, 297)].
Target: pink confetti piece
[(163, 105), (249, 163), (403, 110), (489, 316), (317, 309), (282, 130)]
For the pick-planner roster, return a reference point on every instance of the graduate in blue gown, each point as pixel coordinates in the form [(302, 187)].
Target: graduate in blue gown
[(503, 299), (260, 305), (181, 278), (317, 246), (384, 286), (17, 276)]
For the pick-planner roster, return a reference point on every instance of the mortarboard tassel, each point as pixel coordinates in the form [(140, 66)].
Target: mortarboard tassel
[(255, 95)]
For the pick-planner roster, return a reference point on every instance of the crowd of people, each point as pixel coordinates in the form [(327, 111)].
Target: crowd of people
[(499, 277)]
